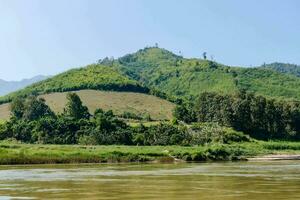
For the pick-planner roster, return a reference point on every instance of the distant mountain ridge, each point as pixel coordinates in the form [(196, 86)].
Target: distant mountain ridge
[(11, 86), (285, 68)]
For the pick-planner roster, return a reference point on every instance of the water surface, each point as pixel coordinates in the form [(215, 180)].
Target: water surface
[(229, 180)]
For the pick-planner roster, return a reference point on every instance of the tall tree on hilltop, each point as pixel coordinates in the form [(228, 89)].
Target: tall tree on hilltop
[(204, 55)]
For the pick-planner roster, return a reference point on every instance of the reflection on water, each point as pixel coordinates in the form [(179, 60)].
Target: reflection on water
[(231, 180)]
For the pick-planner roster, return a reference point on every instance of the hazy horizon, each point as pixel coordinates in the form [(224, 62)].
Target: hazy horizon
[(48, 37)]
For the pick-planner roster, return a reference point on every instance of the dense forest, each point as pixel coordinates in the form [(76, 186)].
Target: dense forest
[(257, 116)]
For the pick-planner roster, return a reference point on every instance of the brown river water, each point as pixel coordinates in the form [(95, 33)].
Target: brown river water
[(221, 180)]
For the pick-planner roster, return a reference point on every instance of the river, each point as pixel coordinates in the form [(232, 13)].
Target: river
[(221, 180)]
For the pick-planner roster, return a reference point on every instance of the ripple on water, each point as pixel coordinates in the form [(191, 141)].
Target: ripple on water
[(226, 181)]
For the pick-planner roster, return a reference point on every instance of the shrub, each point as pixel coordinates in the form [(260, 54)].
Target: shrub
[(87, 140)]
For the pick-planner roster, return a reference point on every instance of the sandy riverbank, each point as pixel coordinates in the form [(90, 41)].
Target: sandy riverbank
[(275, 157)]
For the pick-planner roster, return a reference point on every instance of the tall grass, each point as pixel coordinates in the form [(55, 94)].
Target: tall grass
[(281, 145)]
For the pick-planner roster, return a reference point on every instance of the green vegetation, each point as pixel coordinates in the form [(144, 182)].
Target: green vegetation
[(162, 69), (174, 76), (183, 77), (220, 109), (94, 76), (284, 68), (33, 121), (74, 108), (17, 153), (257, 116), (268, 83)]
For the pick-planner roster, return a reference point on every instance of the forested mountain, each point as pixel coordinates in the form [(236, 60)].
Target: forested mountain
[(10, 86), (166, 72), (284, 68), (261, 102), (180, 76)]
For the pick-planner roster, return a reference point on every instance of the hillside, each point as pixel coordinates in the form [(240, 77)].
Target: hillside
[(11, 86), (119, 102), (91, 77), (168, 73), (284, 68), (175, 75)]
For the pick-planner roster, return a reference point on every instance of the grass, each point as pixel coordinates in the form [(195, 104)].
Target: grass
[(282, 146), (138, 103), (4, 111), (15, 153)]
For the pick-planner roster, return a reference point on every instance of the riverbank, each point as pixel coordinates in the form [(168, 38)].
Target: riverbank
[(15, 153), (275, 157)]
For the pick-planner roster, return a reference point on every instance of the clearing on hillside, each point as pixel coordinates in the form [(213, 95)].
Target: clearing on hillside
[(4, 112), (119, 102)]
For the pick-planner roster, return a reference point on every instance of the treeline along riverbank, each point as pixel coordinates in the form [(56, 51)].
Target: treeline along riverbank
[(36, 135)]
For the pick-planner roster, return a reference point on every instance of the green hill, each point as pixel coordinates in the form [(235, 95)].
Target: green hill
[(169, 73), (129, 95), (175, 75), (94, 76), (284, 68)]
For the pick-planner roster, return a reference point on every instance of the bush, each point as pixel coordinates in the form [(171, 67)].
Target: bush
[(87, 140), (130, 115), (204, 133), (235, 136), (165, 134)]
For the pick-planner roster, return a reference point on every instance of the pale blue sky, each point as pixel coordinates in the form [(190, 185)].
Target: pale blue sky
[(50, 36)]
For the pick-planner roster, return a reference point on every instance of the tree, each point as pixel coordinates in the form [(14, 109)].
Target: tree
[(204, 55), (164, 134), (35, 108), (184, 112), (74, 108), (257, 116), (108, 129), (17, 108)]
